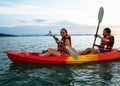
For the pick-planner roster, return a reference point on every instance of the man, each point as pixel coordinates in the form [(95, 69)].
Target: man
[(107, 42)]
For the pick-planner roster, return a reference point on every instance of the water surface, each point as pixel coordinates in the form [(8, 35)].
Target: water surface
[(87, 74)]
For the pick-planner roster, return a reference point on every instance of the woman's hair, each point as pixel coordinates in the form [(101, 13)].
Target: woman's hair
[(65, 31), (108, 30)]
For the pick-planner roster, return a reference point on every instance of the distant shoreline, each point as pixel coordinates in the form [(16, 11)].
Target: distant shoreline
[(7, 35), (32, 35)]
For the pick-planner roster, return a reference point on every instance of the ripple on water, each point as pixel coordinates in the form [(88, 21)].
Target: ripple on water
[(88, 74)]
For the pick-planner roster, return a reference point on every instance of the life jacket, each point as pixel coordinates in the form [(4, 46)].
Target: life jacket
[(106, 46), (61, 46)]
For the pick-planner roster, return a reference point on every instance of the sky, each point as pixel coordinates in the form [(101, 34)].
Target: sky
[(61, 13)]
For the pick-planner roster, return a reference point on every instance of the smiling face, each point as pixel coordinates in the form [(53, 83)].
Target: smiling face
[(63, 32)]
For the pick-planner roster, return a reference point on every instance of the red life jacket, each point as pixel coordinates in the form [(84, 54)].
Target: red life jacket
[(61, 46), (106, 46)]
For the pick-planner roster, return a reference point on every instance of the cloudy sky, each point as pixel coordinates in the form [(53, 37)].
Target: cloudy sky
[(58, 12)]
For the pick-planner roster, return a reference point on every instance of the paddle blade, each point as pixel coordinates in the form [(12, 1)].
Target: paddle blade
[(100, 17), (72, 52), (50, 33), (100, 14)]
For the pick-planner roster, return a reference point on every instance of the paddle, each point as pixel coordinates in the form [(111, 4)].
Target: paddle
[(100, 17), (71, 50)]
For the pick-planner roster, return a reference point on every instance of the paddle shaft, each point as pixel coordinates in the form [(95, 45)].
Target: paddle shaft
[(56, 39), (96, 34), (100, 16)]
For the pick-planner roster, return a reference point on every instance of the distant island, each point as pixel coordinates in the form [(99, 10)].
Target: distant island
[(7, 35), (29, 35)]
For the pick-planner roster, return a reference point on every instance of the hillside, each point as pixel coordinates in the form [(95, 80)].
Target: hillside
[(6, 35)]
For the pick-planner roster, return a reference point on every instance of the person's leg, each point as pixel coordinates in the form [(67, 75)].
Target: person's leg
[(87, 51), (51, 52), (95, 51), (79, 51)]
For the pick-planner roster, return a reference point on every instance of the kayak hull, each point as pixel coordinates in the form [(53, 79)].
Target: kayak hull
[(34, 57)]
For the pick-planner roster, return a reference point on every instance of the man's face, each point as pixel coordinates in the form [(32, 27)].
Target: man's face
[(105, 33)]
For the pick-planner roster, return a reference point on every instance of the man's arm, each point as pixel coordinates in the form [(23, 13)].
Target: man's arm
[(102, 38)]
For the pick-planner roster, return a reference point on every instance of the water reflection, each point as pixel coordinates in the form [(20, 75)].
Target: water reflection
[(52, 74), (106, 71), (92, 74), (87, 74), (67, 75)]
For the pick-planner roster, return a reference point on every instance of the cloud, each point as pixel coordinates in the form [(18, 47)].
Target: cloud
[(80, 12), (49, 13), (21, 21), (11, 3), (4, 3), (39, 20), (64, 23)]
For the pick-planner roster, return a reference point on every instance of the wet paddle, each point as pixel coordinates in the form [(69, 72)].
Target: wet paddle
[(100, 17), (71, 50)]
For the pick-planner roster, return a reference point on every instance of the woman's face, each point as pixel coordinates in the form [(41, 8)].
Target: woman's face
[(63, 33)]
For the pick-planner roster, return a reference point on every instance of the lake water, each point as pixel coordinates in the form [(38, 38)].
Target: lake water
[(87, 74)]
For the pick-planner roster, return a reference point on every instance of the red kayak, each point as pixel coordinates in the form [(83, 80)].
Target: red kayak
[(34, 57)]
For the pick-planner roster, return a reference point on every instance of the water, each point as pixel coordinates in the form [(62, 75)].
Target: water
[(87, 74)]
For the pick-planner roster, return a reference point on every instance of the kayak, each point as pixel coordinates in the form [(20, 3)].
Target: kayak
[(34, 57)]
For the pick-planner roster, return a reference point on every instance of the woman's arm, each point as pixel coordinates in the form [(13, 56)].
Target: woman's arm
[(67, 43)]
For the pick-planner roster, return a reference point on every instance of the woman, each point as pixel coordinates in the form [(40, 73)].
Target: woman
[(61, 51)]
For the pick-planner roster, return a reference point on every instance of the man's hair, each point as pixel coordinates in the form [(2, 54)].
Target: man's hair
[(108, 30)]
